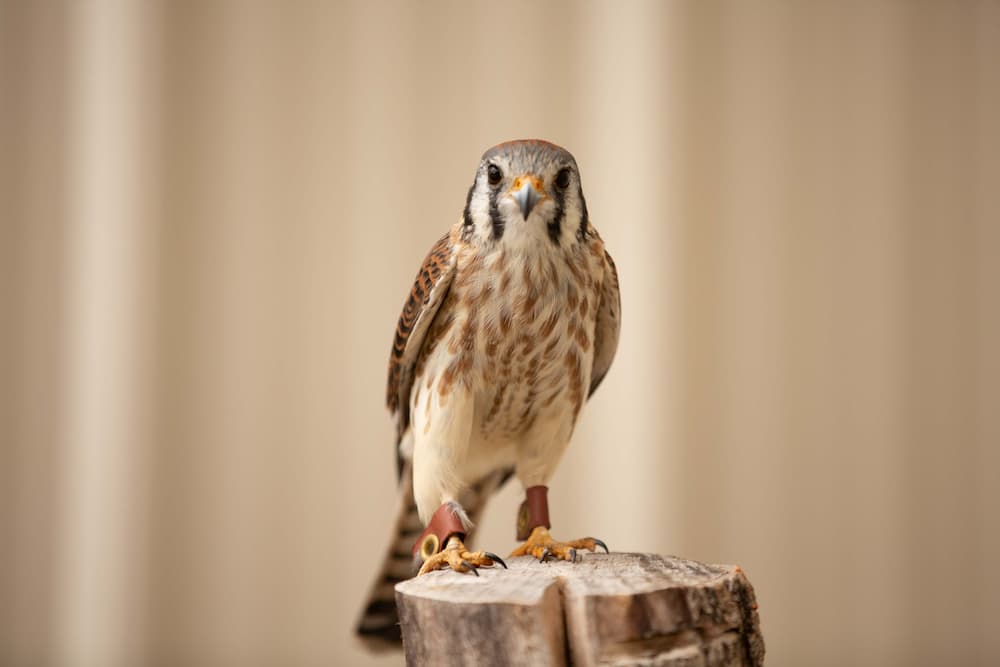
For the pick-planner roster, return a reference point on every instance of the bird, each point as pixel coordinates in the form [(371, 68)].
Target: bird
[(510, 326)]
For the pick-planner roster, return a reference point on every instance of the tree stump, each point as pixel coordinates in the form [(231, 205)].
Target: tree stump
[(608, 609)]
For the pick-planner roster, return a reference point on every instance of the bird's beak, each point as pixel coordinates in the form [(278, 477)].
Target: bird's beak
[(527, 190)]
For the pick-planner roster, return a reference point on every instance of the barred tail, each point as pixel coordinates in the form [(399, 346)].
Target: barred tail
[(379, 624), (378, 627)]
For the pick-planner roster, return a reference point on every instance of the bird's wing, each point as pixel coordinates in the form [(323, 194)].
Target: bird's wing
[(428, 293), (608, 324)]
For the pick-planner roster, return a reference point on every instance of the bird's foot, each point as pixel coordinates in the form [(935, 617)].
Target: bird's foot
[(541, 545), (460, 559)]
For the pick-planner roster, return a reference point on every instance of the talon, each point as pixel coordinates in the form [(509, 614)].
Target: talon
[(541, 545), (460, 560), (493, 557)]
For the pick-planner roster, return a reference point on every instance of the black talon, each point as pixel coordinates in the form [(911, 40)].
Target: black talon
[(471, 567), (545, 554), (603, 545), (495, 558)]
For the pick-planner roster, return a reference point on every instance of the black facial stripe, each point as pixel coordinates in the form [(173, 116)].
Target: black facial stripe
[(584, 217), (467, 224), (466, 214), (495, 218), (556, 225)]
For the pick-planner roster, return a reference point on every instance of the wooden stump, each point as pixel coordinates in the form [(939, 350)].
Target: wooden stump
[(617, 609)]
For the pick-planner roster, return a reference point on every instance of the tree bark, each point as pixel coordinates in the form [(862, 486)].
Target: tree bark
[(608, 609)]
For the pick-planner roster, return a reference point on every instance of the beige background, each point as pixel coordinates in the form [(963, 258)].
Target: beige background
[(211, 214)]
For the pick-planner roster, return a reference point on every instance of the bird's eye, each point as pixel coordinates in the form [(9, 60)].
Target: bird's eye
[(493, 174), (562, 179)]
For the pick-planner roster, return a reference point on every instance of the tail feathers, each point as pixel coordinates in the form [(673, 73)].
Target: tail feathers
[(379, 625)]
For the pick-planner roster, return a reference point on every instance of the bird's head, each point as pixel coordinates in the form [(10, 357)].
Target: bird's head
[(525, 192)]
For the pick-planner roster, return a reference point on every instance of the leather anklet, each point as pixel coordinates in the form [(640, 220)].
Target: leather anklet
[(534, 511), (443, 524)]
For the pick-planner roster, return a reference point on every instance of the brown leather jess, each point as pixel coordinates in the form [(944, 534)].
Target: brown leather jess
[(443, 524), (534, 511)]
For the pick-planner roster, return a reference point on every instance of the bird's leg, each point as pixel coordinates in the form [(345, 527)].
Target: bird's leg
[(441, 544), (533, 527), (542, 546), (459, 558)]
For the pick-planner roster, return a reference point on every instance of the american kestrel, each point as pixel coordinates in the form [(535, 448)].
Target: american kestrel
[(511, 325)]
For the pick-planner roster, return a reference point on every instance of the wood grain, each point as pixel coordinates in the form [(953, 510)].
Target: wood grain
[(609, 609)]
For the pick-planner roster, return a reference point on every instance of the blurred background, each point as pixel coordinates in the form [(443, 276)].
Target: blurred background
[(211, 214)]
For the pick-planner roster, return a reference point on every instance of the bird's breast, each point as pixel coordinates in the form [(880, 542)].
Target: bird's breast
[(520, 335)]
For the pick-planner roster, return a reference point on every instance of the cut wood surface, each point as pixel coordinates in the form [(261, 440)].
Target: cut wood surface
[(607, 609)]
